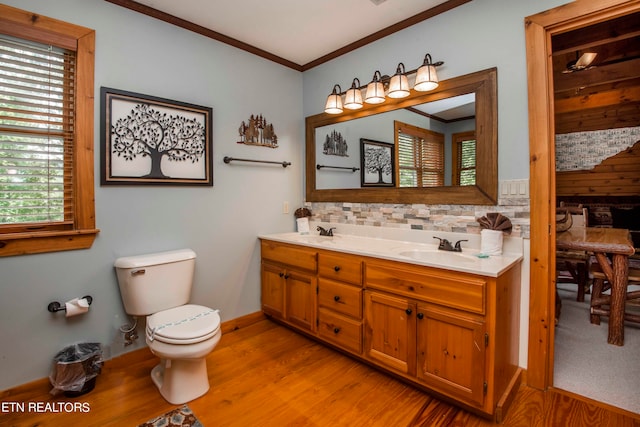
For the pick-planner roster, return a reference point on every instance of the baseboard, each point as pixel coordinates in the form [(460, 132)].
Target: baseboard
[(127, 359)]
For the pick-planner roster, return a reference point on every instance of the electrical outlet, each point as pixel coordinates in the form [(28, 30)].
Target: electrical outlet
[(285, 207)]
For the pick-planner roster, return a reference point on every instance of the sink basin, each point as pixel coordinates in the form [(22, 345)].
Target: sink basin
[(438, 256)]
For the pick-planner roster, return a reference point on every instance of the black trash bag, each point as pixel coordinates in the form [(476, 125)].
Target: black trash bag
[(75, 369)]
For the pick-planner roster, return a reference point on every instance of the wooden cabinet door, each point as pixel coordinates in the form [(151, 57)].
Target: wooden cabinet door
[(390, 331), (301, 299), (451, 352), (273, 285)]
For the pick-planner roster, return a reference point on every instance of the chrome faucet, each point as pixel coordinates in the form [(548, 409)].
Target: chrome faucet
[(446, 245), (324, 232)]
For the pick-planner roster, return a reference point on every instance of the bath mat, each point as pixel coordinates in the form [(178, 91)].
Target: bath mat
[(181, 417)]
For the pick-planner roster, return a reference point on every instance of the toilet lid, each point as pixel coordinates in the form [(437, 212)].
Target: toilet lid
[(186, 322)]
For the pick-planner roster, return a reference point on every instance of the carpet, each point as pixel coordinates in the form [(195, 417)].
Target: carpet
[(585, 364), (180, 417)]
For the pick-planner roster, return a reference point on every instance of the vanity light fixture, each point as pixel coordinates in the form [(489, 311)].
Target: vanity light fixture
[(397, 87), (334, 101), (353, 97), (399, 83)]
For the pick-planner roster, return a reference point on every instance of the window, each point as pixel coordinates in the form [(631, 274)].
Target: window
[(464, 158), (420, 154), (46, 134)]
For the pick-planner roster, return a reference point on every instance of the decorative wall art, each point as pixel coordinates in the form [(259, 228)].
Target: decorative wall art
[(335, 145), (150, 140), (258, 132), (376, 164)]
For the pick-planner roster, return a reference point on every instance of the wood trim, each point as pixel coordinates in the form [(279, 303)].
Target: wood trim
[(538, 31), (174, 20)]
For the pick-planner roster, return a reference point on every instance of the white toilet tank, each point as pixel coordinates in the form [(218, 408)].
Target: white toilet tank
[(155, 282)]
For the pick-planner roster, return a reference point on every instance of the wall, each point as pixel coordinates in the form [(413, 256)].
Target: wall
[(475, 36), (147, 56)]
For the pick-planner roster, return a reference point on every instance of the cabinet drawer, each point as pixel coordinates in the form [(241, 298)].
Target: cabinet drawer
[(291, 255), (339, 330), (345, 299), (340, 267), (440, 287)]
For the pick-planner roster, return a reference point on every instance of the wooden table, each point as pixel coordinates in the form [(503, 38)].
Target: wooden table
[(602, 241)]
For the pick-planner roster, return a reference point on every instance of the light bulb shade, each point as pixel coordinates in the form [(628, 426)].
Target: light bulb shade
[(399, 84), (353, 97), (375, 90), (426, 78), (334, 102)]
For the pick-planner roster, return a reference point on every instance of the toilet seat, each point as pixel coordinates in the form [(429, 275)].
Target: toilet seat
[(186, 324)]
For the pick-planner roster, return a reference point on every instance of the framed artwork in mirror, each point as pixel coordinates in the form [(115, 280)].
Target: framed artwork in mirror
[(376, 164), (151, 140)]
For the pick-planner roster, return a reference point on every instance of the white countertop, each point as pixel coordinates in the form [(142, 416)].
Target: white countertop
[(412, 252)]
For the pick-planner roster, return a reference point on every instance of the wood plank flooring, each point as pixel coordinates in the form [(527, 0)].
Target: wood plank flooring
[(267, 375)]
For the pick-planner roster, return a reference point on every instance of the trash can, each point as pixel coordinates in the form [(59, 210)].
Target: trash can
[(75, 369)]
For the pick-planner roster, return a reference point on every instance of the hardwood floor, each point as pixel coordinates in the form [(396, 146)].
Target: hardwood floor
[(267, 375)]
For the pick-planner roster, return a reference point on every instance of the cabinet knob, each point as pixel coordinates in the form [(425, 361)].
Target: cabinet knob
[(286, 276), (281, 274), (420, 315), (336, 298), (336, 268), (336, 330), (408, 311)]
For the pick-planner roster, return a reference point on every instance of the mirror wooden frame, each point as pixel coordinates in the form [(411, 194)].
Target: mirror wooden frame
[(485, 192)]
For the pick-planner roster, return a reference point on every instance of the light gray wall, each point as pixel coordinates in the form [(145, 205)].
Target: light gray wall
[(220, 223)]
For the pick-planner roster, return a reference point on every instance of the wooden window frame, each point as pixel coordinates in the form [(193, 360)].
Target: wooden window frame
[(458, 139), (27, 25)]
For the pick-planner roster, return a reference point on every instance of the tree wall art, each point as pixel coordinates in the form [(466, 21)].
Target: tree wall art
[(377, 164), (151, 140)]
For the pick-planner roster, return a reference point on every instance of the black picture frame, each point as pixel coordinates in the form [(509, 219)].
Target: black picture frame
[(147, 140), (377, 164)]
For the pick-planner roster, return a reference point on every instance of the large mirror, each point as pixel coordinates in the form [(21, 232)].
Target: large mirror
[(328, 136)]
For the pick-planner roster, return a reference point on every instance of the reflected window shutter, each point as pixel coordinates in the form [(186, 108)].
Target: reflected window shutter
[(420, 158), (36, 133), (467, 162)]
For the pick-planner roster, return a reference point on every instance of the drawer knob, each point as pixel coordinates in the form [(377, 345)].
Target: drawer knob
[(336, 298), (408, 311), (336, 268), (336, 330)]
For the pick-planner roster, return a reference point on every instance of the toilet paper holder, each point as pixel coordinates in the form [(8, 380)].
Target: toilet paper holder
[(56, 306)]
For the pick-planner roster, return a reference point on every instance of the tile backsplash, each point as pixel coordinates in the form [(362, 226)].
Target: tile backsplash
[(453, 218)]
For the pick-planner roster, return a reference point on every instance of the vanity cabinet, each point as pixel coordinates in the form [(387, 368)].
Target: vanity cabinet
[(450, 332), (289, 284)]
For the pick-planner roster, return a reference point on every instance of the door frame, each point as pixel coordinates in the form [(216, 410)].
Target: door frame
[(539, 29)]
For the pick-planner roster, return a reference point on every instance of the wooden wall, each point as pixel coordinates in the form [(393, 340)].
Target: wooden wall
[(618, 175)]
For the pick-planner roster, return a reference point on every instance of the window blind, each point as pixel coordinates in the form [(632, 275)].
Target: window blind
[(420, 159), (36, 132)]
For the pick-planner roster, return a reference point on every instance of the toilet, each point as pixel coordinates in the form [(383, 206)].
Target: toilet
[(158, 286)]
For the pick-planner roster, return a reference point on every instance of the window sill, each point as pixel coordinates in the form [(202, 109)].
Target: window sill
[(46, 241)]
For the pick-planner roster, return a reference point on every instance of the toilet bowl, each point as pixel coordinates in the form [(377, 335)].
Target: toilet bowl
[(158, 286), (182, 337)]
